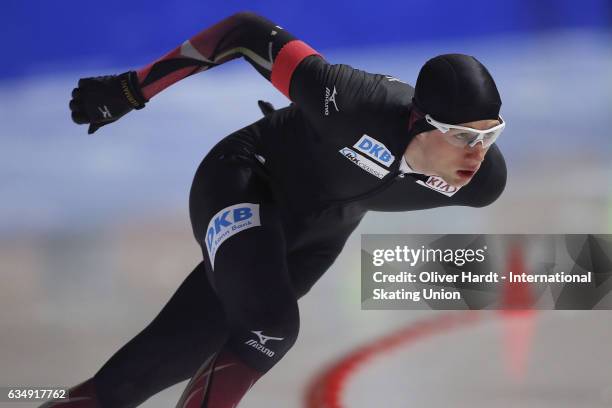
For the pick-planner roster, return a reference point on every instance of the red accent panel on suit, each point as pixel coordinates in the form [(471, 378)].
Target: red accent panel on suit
[(287, 60)]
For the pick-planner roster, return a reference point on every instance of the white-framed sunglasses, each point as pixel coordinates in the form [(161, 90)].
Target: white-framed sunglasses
[(462, 136)]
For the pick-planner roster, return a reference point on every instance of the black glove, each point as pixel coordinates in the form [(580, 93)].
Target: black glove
[(102, 100)]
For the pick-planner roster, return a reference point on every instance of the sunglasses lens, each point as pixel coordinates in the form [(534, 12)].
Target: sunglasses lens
[(491, 137), (462, 137)]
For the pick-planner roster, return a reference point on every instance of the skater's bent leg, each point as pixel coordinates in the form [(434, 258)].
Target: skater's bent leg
[(251, 279), (188, 330), (257, 295), (262, 313), (239, 225)]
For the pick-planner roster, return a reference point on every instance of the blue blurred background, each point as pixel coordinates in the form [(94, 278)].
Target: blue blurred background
[(94, 226), (43, 36)]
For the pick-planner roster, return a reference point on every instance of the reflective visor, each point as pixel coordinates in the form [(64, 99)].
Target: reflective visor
[(462, 136)]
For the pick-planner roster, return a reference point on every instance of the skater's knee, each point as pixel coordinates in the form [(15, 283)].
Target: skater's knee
[(263, 341)]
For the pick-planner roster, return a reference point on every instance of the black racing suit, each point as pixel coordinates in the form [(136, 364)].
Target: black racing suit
[(272, 206)]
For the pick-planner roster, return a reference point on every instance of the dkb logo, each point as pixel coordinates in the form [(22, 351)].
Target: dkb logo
[(375, 150), (227, 222)]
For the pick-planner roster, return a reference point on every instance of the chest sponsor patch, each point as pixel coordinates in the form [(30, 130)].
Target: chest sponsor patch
[(438, 184), (363, 162), (227, 222), (375, 149)]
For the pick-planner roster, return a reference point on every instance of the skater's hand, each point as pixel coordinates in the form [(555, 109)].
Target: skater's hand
[(98, 101)]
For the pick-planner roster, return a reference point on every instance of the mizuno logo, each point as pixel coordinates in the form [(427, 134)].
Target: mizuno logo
[(330, 96), (260, 346), (105, 112), (393, 79), (263, 339)]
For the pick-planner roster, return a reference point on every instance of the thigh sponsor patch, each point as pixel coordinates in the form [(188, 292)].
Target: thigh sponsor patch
[(230, 221)]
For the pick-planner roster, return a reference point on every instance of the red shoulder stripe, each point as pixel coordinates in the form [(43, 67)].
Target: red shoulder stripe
[(287, 60)]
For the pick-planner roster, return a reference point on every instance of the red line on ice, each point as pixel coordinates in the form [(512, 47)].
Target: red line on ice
[(325, 390)]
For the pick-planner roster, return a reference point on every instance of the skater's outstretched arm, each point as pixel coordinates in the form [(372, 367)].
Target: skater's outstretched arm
[(102, 100), (244, 34)]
